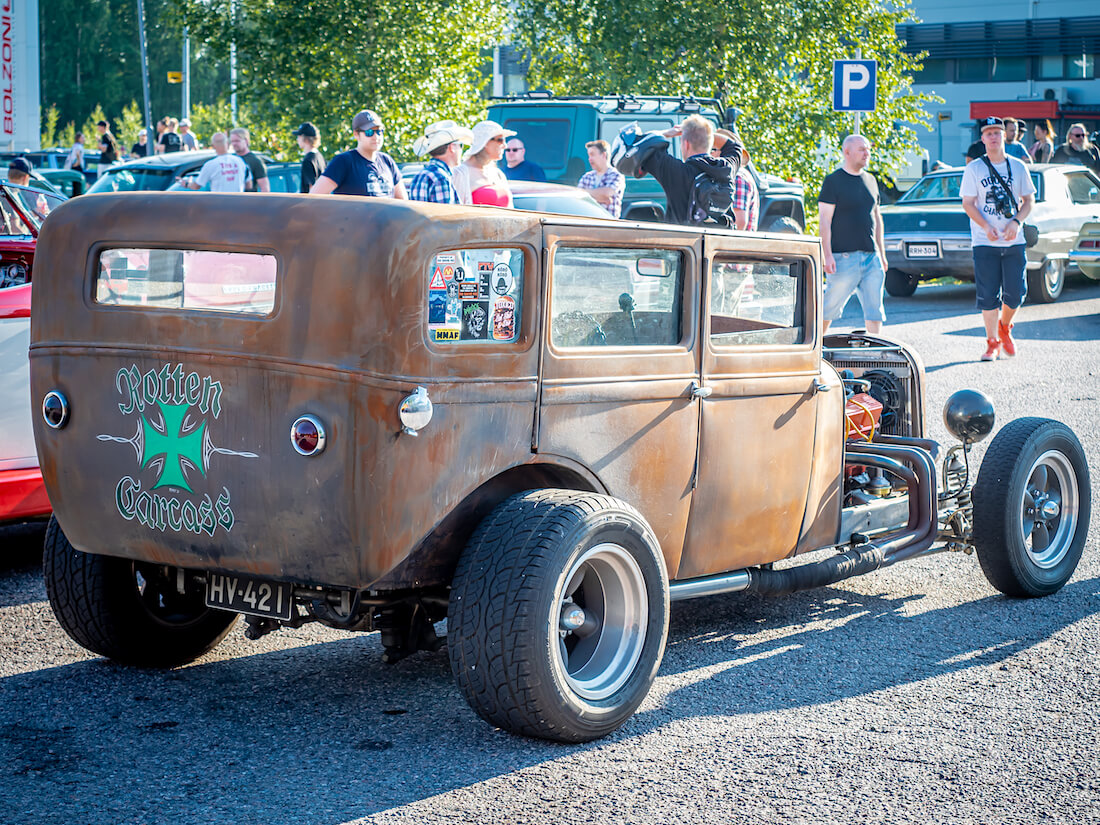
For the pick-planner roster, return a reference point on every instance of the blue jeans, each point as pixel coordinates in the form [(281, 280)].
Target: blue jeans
[(999, 276), (860, 273)]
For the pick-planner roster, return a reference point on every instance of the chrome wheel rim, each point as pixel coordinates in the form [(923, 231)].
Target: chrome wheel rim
[(1050, 509), (599, 616), (1052, 272)]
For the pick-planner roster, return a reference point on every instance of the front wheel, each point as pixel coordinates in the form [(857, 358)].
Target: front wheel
[(1032, 503), (558, 615), (128, 611), (1044, 284), (900, 284)]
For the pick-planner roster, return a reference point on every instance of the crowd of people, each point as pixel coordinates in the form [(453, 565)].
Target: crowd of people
[(1077, 148)]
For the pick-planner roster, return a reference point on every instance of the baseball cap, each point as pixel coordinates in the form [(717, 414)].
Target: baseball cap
[(21, 165), (365, 120), (305, 130), (185, 122), (991, 123)]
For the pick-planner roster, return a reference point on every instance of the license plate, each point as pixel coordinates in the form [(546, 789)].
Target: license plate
[(255, 597), (922, 250)]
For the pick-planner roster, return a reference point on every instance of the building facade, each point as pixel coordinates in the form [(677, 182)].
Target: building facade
[(1030, 59)]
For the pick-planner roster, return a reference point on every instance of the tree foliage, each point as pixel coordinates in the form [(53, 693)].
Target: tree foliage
[(412, 61), (771, 60)]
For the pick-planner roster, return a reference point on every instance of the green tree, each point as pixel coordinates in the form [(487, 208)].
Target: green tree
[(49, 126), (128, 124), (771, 60), (89, 130), (413, 61)]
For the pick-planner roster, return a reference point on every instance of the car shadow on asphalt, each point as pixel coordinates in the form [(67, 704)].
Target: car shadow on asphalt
[(326, 734), (1085, 327)]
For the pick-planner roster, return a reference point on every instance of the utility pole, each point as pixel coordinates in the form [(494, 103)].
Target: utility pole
[(855, 115), (185, 109), (233, 64), (145, 73)]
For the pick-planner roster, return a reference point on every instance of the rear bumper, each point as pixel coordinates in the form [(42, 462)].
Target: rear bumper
[(953, 254), (22, 494)]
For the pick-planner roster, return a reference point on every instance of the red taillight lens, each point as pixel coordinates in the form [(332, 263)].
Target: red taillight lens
[(1090, 244)]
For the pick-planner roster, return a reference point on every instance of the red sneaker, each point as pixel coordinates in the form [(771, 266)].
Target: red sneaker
[(1007, 344), (994, 346)]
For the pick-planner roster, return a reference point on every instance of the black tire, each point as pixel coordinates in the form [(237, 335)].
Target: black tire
[(901, 284), (125, 610), (511, 599), (1045, 284), (784, 224), (1032, 503)]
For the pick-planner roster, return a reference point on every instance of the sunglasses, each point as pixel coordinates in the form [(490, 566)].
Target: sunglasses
[(1077, 134), (520, 149), (378, 130)]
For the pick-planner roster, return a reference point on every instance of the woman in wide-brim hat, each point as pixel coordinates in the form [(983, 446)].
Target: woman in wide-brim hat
[(477, 179)]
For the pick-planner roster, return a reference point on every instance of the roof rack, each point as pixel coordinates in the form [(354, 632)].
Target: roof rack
[(627, 103)]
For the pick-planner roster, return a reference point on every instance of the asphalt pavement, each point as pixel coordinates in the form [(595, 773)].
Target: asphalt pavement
[(916, 694)]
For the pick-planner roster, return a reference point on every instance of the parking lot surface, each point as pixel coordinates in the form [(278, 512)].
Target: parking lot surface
[(914, 694)]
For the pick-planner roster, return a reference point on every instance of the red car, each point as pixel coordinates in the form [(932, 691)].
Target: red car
[(22, 211)]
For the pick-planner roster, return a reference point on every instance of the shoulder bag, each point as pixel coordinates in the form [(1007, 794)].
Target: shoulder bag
[(1030, 230)]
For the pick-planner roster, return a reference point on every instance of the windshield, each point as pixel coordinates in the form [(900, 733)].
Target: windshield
[(34, 203), (938, 188), (134, 180), (581, 205)]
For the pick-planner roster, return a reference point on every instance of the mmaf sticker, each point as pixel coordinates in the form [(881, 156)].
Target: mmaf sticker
[(474, 295)]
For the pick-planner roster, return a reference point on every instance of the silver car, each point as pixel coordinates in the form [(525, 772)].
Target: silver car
[(927, 232)]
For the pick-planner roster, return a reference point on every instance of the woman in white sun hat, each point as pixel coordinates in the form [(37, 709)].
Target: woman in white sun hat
[(477, 179)]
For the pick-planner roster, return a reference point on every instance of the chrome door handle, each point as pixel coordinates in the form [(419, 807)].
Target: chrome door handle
[(821, 386), (700, 392)]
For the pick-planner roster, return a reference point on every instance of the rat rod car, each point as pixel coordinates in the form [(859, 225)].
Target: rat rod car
[(378, 414)]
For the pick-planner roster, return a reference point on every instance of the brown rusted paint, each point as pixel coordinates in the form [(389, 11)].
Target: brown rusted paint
[(348, 340)]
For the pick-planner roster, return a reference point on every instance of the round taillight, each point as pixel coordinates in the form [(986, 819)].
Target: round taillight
[(55, 410), (415, 411), (307, 435)]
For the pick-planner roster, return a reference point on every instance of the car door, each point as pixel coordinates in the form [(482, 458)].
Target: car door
[(1084, 195), (619, 365), (769, 470)]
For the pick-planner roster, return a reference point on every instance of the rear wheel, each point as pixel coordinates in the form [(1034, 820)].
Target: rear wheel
[(1032, 503), (784, 224), (900, 284), (1044, 284), (128, 611), (558, 615)]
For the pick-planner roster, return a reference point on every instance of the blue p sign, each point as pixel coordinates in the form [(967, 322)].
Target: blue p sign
[(854, 85)]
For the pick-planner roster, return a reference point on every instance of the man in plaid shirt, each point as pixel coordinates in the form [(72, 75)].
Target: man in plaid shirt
[(604, 181), (443, 141)]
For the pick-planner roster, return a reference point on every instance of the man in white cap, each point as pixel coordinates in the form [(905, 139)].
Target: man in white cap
[(443, 141), (190, 144), (365, 170)]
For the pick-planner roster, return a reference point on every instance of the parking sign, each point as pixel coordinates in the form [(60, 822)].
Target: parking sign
[(854, 85)]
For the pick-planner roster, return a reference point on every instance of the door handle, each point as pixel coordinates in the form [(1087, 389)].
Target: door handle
[(700, 392), (821, 386)]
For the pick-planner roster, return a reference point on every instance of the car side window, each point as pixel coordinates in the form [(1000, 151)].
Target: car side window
[(756, 303), (1083, 187), (616, 297), (10, 222)]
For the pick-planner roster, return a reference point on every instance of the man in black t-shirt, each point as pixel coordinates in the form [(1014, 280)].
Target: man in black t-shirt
[(239, 139), (851, 237), (1078, 150), (170, 140), (677, 177), (313, 163), (108, 147)]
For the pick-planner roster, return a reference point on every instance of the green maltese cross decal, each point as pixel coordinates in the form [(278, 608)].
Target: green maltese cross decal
[(174, 445)]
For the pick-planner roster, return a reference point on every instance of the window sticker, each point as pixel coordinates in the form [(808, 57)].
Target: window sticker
[(475, 295)]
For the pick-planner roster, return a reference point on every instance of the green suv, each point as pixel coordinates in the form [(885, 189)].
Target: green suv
[(555, 130)]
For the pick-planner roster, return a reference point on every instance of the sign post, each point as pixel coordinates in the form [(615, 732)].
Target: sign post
[(854, 86)]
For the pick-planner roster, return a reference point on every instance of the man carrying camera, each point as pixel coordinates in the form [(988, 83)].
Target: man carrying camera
[(997, 194)]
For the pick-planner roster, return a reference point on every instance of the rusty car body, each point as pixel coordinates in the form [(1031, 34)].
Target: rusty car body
[(379, 414)]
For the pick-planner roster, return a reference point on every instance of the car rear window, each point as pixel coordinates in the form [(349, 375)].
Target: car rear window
[(546, 140), (475, 296), (188, 279)]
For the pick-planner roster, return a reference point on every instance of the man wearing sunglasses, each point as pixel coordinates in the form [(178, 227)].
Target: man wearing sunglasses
[(518, 167), (365, 170), (1078, 150)]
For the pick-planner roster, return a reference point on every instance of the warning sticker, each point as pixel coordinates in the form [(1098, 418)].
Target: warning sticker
[(437, 281)]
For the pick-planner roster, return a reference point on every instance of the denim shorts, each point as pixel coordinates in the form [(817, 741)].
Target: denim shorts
[(860, 273), (999, 276)]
